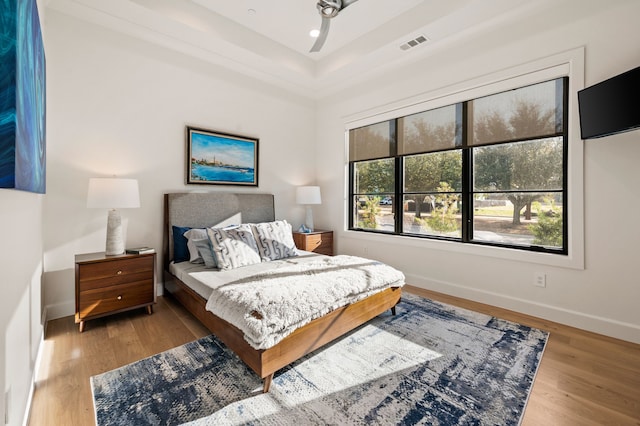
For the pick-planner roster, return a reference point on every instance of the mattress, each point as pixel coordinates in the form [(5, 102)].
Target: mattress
[(203, 280)]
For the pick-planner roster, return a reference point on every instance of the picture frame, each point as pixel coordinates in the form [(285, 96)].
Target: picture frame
[(217, 158)]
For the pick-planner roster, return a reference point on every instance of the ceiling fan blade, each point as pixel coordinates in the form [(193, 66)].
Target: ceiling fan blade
[(324, 31), (346, 3)]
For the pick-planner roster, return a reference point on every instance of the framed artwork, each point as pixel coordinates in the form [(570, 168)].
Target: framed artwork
[(217, 158), (22, 98)]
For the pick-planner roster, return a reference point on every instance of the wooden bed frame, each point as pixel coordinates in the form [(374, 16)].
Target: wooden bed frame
[(208, 209)]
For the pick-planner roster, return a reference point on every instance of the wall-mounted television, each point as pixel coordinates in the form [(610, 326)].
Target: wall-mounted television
[(611, 106)]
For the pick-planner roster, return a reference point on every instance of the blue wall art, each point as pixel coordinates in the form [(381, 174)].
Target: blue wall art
[(221, 158), (22, 97)]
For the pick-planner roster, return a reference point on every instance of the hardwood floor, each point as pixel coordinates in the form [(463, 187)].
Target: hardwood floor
[(583, 379)]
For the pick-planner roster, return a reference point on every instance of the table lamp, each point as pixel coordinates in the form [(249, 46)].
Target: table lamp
[(308, 195), (113, 193)]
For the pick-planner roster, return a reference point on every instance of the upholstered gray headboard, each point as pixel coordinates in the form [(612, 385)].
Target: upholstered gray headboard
[(199, 210)]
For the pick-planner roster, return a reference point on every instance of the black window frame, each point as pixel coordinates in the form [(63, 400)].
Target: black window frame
[(468, 192)]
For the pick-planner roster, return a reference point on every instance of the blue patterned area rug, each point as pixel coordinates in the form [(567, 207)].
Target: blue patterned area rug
[(430, 364)]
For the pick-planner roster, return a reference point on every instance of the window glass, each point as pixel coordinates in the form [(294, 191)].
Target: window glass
[(520, 219), (531, 165), (427, 172), (375, 176), (374, 141), (530, 112), (374, 189), (432, 201), (374, 212), (436, 214), (432, 130)]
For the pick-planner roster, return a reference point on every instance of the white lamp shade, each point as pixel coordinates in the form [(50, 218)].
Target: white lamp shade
[(113, 193), (308, 195)]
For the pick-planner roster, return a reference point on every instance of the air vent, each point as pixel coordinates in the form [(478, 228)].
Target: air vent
[(413, 42)]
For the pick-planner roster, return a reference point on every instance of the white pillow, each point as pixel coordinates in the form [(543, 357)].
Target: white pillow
[(206, 252), (233, 248), (274, 240), (192, 235)]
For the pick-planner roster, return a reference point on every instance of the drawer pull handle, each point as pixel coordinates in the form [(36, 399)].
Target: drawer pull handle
[(119, 273), (119, 297)]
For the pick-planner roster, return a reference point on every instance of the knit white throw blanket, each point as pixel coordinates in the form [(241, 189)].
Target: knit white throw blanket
[(269, 306)]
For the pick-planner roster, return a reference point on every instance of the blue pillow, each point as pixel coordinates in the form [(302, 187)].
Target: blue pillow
[(180, 250)]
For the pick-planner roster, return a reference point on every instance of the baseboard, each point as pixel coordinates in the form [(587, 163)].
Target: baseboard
[(43, 321), (34, 375), (606, 326), (59, 310)]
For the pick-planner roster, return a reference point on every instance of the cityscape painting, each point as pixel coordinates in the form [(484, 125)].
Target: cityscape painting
[(22, 98), (220, 158)]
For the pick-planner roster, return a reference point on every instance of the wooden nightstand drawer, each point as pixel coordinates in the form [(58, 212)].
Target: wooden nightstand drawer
[(116, 280), (116, 298), (320, 242), (104, 271)]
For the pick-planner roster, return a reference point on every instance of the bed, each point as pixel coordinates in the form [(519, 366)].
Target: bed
[(200, 210)]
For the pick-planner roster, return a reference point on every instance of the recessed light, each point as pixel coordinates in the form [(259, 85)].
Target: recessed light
[(314, 33)]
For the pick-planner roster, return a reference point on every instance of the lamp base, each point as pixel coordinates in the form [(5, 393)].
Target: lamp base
[(115, 242), (308, 221)]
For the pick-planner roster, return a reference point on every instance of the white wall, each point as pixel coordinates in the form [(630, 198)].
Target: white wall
[(20, 310), (119, 106), (603, 296)]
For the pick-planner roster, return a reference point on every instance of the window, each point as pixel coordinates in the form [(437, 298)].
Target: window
[(488, 171)]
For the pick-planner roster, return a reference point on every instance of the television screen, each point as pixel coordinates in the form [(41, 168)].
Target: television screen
[(611, 106)]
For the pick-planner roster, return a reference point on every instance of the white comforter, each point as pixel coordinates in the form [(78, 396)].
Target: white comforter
[(268, 306)]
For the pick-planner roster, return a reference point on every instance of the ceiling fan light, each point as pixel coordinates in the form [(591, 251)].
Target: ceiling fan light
[(329, 8), (329, 12)]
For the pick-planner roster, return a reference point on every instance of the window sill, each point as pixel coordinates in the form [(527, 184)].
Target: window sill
[(548, 259)]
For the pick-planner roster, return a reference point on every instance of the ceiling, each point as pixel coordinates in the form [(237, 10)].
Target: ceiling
[(269, 40)]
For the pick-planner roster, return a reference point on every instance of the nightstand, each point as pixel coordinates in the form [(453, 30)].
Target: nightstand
[(107, 285), (317, 241)]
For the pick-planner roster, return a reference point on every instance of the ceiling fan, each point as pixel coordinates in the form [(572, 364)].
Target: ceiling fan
[(328, 9)]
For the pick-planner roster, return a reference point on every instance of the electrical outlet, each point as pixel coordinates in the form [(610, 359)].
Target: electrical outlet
[(540, 279), (365, 250)]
